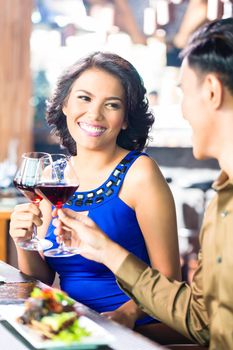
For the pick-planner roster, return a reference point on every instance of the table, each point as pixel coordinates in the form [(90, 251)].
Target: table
[(17, 288)]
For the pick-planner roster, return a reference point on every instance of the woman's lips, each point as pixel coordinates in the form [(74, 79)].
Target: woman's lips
[(92, 130)]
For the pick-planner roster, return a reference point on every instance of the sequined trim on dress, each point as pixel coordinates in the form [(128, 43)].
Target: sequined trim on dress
[(106, 190)]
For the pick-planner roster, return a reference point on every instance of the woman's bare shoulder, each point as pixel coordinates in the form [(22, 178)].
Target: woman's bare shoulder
[(145, 169)]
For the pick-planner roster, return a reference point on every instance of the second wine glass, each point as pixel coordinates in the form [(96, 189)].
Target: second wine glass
[(25, 181), (57, 181)]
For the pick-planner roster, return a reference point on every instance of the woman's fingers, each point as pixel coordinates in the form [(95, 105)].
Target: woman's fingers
[(26, 217), (22, 234), (27, 207), (23, 218)]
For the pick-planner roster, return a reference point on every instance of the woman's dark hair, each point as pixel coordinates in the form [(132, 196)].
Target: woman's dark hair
[(139, 119), (210, 49)]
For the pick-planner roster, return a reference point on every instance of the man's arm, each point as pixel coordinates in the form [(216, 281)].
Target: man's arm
[(174, 303)]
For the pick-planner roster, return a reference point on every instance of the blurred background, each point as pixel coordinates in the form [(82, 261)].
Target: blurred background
[(40, 38)]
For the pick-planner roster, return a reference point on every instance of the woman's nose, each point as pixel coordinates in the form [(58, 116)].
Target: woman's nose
[(95, 112)]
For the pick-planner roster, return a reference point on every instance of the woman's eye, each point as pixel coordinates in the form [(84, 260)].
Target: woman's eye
[(83, 98), (113, 105)]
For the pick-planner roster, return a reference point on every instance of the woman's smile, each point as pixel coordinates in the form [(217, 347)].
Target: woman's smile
[(92, 130)]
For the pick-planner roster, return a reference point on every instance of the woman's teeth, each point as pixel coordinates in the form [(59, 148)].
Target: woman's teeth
[(91, 129)]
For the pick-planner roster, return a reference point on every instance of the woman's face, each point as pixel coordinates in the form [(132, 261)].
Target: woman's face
[(95, 109)]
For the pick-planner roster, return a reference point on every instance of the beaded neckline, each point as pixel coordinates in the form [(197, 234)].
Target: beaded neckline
[(111, 186)]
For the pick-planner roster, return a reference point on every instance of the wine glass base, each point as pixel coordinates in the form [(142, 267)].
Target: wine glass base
[(35, 244), (59, 253)]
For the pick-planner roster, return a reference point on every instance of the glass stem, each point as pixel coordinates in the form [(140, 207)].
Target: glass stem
[(34, 233), (61, 247)]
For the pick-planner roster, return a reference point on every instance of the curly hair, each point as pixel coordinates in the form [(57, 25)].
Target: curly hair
[(210, 49), (137, 115)]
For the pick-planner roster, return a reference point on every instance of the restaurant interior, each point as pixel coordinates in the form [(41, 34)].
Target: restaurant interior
[(40, 38)]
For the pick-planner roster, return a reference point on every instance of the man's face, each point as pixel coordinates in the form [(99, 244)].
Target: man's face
[(195, 109)]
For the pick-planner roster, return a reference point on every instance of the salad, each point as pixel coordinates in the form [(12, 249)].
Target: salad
[(52, 313)]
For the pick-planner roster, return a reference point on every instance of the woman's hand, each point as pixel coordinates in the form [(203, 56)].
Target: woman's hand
[(80, 231), (23, 218), (127, 314), (121, 317)]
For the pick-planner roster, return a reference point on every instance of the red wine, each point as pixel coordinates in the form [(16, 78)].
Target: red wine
[(28, 192), (57, 194)]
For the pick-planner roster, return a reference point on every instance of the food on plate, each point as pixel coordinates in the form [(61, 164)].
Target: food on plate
[(52, 313)]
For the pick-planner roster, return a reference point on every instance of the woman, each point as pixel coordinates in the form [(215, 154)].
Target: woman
[(100, 113)]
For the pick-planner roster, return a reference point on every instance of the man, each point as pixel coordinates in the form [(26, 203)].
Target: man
[(203, 311)]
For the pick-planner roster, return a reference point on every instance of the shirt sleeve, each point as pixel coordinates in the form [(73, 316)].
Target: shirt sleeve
[(176, 304)]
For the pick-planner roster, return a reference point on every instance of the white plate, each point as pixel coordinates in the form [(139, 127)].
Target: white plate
[(99, 336)]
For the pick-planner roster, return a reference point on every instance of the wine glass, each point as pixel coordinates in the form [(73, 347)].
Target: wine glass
[(25, 181), (57, 182)]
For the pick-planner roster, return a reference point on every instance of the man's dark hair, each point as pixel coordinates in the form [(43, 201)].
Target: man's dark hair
[(139, 119), (210, 49)]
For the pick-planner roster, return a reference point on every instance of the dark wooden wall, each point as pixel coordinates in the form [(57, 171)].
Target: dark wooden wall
[(16, 117)]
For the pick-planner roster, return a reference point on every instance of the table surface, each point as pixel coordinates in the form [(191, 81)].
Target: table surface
[(17, 288)]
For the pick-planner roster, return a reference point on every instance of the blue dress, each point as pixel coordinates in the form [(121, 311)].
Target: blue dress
[(89, 282)]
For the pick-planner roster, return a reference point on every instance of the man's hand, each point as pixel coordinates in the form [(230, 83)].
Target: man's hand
[(80, 231)]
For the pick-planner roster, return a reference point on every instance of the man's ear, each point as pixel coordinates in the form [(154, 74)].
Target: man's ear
[(213, 90)]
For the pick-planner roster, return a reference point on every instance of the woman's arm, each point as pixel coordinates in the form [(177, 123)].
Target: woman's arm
[(23, 218), (147, 192)]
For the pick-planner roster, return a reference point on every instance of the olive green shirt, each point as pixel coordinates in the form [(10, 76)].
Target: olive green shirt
[(204, 310)]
